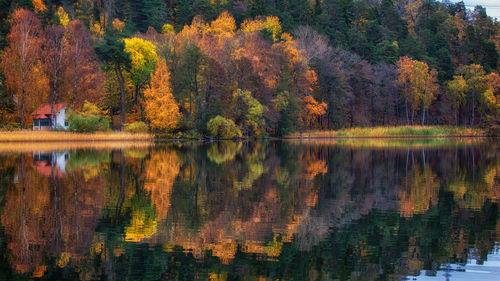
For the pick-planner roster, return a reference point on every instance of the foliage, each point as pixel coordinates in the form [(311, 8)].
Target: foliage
[(160, 106), (136, 127), (24, 77), (87, 123), (112, 53), (62, 16), (223, 128), (248, 113)]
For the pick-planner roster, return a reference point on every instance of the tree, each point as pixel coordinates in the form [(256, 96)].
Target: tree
[(160, 106), (144, 57), (112, 53), (221, 127), (477, 83), (456, 89), (20, 62), (55, 62), (84, 73), (419, 85), (248, 112), (313, 111)]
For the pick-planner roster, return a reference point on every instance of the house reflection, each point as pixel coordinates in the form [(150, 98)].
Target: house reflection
[(50, 164)]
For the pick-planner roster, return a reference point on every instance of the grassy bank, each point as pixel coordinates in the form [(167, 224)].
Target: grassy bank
[(37, 136), (395, 132), (393, 143), (71, 145)]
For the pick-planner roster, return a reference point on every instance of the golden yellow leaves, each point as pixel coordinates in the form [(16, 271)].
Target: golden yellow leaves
[(225, 23), (167, 29), (161, 109), (420, 192), (63, 16), (141, 227), (142, 52), (418, 81), (39, 6), (118, 24), (160, 173), (270, 24)]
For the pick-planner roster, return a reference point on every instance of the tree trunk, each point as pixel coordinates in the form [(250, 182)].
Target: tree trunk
[(22, 109), (423, 113), (406, 108), (121, 81), (472, 116)]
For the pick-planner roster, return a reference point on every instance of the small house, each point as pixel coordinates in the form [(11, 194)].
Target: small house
[(42, 117)]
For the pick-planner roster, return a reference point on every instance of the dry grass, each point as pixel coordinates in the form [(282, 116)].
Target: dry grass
[(395, 132), (57, 146), (37, 136), (391, 143)]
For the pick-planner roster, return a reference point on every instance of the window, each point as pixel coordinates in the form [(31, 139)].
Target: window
[(66, 124), (35, 122), (44, 122)]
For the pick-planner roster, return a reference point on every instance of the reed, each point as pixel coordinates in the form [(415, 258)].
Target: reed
[(393, 143), (395, 132), (41, 136), (73, 145)]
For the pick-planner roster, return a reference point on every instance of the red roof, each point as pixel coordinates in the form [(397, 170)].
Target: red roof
[(45, 169), (45, 109)]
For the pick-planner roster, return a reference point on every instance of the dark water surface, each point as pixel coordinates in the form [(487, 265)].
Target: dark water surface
[(277, 210)]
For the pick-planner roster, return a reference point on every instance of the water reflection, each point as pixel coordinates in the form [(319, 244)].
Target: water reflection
[(317, 210)]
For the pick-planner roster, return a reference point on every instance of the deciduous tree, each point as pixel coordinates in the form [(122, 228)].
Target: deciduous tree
[(160, 106), (84, 73), (20, 62), (144, 57), (55, 64)]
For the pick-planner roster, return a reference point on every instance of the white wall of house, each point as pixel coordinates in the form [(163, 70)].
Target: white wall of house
[(61, 159), (61, 119)]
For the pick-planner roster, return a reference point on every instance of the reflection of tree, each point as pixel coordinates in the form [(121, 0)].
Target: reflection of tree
[(89, 162), (277, 210), (143, 223), (50, 216), (161, 170), (23, 216), (420, 187), (220, 152)]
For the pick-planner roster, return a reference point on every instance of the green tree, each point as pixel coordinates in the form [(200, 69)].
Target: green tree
[(248, 113), (112, 53)]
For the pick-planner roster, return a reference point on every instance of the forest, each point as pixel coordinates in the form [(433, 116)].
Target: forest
[(251, 68)]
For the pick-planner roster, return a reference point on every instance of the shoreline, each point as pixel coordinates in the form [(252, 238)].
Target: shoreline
[(48, 136), (401, 132)]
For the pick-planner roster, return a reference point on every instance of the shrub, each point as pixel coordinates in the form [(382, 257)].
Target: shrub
[(90, 124), (221, 127), (136, 127)]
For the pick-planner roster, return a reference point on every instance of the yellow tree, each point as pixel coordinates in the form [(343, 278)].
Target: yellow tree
[(419, 84), (160, 106), (144, 57), (456, 90), (492, 94)]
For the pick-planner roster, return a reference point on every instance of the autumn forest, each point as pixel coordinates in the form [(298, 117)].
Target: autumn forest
[(249, 68)]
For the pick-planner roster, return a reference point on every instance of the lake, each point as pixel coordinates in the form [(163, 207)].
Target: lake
[(266, 210)]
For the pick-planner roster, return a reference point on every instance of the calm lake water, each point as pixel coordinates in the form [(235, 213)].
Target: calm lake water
[(277, 210)]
